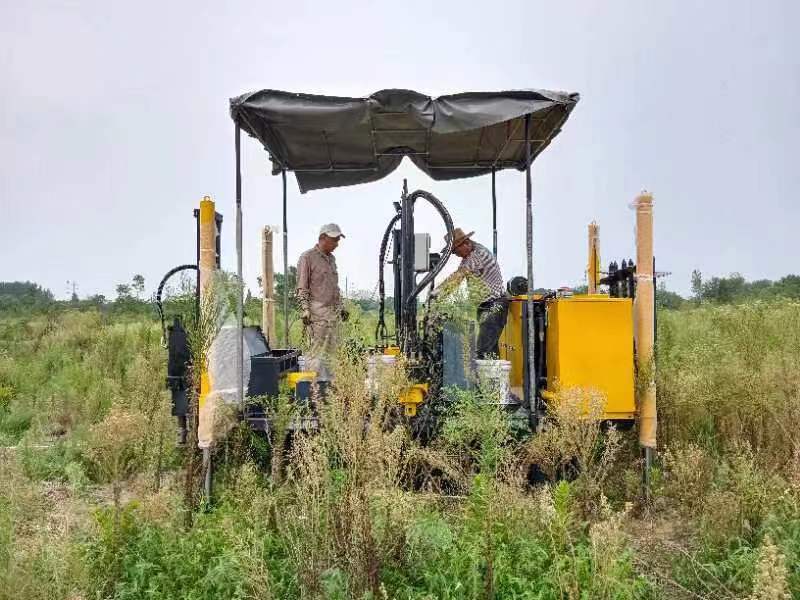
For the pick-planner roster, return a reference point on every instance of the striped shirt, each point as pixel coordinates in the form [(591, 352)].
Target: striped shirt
[(482, 263)]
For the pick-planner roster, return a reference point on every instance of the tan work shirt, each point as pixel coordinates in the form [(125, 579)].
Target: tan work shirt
[(317, 278)]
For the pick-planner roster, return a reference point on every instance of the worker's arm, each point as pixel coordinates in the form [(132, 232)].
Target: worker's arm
[(451, 282)]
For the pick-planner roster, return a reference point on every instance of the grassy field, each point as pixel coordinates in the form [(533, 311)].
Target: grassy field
[(94, 503)]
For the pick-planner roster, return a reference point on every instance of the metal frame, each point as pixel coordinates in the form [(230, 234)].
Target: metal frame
[(533, 372), (285, 265), (240, 278), (494, 215)]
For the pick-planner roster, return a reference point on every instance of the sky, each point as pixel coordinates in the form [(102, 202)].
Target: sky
[(114, 124)]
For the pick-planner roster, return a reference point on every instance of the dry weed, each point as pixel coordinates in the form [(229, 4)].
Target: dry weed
[(771, 580), (688, 474), (575, 445), (344, 483)]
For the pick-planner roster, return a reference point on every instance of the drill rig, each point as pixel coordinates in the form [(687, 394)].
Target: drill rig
[(551, 340)]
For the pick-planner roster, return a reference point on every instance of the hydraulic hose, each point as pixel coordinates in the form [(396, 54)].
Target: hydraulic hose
[(159, 305), (380, 330), (448, 250)]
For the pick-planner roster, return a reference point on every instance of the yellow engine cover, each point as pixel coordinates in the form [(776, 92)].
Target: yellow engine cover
[(590, 344), (512, 345)]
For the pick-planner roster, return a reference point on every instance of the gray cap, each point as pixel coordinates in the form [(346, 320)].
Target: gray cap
[(331, 230)]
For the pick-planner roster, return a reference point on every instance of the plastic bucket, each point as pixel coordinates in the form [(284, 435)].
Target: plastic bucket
[(375, 363), (493, 379)]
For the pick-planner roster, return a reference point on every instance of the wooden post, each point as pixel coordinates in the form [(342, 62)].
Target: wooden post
[(593, 269), (207, 267), (268, 288), (644, 323), (208, 245)]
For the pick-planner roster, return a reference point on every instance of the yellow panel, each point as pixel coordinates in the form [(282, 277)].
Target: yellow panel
[(205, 387), (590, 344), (511, 348), (297, 376)]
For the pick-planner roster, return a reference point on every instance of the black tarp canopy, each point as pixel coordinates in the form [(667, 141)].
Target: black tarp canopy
[(330, 141)]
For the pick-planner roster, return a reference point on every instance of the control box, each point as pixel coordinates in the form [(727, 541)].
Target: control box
[(422, 252)]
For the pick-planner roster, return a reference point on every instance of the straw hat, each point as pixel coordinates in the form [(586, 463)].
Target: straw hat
[(459, 236)]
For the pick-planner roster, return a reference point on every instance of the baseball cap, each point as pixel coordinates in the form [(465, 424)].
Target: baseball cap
[(331, 230)]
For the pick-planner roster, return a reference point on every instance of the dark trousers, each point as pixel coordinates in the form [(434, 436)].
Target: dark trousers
[(492, 316)]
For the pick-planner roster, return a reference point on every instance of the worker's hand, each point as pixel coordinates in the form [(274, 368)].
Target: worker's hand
[(305, 316), (344, 315)]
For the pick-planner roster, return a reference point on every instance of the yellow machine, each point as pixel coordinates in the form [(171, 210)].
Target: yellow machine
[(586, 341), (589, 344)]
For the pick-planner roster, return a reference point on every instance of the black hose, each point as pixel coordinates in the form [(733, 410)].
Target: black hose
[(159, 305), (448, 250), (380, 330)]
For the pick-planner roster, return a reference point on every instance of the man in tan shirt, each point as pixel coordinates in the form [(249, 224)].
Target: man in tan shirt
[(319, 299)]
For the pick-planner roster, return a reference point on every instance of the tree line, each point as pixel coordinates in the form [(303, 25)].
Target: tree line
[(16, 296)]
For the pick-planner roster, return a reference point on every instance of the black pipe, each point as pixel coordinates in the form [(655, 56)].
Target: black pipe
[(197, 264), (407, 324), (407, 274), (398, 286), (613, 286), (623, 288), (240, 277), (631, 276), (447, 251), (159, 305), (533, 378), (218, 222)]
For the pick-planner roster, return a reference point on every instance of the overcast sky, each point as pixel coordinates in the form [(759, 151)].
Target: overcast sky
[(114, 123)]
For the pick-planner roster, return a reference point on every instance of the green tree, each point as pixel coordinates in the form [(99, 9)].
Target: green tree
[(123, 292), (138, 285), (280, 284), (23, 294), (667, 299), (697, 285), (788, 286), (97, 299), (724, 290)]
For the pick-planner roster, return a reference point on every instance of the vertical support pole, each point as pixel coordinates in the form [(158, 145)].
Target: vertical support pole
[(285, 266), (398, 286), (408, 323), (533, 376), (593, 268), (494, 215), (644, 328), (240, 278), (268, 288)]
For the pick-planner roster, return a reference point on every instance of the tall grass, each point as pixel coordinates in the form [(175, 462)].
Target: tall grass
[(730, 376), (360, 510), (729, 392)]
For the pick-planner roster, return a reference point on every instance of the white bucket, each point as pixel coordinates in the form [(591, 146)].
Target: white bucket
[(493, 379), (372, 373), (375, 363)]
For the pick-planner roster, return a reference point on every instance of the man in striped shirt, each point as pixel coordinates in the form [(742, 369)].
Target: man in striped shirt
[(478, 261)]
